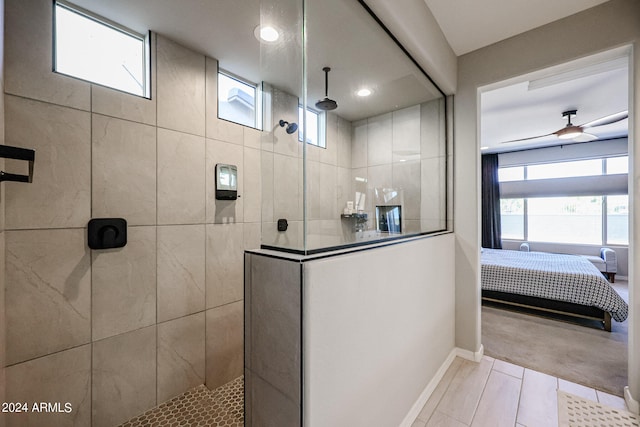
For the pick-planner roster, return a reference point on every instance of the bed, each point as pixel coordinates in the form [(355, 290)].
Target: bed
[(554, 283)]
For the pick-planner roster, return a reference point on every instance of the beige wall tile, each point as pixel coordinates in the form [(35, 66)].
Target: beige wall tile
[(329, 154), (267, 177), (28, 57), (224, 211), (124, 170), (406, 134), (344, 143), (359, 147), (343, 189), (252, 235), (48, 292), (406, 176), (123, 377), (181, 270), (432, 130), (379, 139), (60, 193), (226, 131), (181, 88), (225, 358), (224, 259), (322, 196), (270, 408), (252, 195), (62, 377), (225, 248), (287, 192), (432, 198), (181, 178), (274, 323), (252, 137), (181, 355), (124, 285)]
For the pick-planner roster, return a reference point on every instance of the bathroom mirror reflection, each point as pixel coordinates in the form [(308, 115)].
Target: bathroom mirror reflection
[(374, 126)]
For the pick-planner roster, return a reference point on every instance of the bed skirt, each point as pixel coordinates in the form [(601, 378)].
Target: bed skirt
[(549, 306)]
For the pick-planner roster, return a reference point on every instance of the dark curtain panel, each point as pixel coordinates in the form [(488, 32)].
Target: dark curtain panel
[(491, 230)]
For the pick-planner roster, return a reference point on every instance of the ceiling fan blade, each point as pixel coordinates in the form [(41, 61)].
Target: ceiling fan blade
[(526, 139), (607, 120), (585, 137)]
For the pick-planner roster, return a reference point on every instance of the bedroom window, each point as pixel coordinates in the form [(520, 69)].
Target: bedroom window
[(565, 219), (512, 218), (617, 220), (565, 169), (531, 208), (90, 48)]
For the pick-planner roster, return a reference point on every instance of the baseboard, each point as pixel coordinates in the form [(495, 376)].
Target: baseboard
[(428, 390), (632, 404), (470, 355)]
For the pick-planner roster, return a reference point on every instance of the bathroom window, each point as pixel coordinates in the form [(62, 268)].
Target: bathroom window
[(238, 100), (315, 127), (91, 48)]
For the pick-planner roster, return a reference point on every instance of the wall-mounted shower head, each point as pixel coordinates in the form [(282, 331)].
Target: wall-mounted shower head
[(326, 104), (291, 127)]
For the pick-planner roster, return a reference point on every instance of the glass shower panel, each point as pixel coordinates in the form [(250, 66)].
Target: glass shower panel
[(380, 170), (281, 67)]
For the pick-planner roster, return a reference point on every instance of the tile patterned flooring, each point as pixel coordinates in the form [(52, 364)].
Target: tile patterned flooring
[(491, 393), (222, 407), (496, 393)]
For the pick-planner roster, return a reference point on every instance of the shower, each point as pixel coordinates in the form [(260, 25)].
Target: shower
[(291, 127), (326, 104)]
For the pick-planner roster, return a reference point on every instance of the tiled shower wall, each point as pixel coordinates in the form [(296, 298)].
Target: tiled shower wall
[(115, 332), (404, 150), (2, 243)]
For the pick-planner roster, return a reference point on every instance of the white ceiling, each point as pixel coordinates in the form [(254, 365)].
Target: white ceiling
[(471, 24)]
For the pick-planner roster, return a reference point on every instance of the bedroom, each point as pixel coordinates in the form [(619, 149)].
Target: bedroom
[(556, 195)]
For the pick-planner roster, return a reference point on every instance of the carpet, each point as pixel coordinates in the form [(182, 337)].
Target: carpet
[(587, 356)]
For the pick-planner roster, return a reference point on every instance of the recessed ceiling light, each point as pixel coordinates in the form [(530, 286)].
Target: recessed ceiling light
[(364, 92), (266, 33), (484, 148)]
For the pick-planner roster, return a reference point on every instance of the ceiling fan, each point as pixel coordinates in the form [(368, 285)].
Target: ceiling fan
[(577, 133)]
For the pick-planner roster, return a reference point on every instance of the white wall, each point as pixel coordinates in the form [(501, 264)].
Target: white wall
[(378, 324), (610, 25)]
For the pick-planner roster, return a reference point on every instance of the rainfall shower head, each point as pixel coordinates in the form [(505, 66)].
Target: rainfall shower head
[(326, 103), (291, 127)]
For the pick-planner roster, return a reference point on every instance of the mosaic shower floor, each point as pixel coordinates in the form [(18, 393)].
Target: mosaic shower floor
[(199, 406)]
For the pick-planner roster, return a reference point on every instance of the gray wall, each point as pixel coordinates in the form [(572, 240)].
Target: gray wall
[(552, 44)]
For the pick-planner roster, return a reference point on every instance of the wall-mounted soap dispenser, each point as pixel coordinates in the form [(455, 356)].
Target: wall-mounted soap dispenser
[(226, 182)]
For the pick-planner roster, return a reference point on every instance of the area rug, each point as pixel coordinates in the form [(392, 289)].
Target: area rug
[(575, 411), (587, 356)]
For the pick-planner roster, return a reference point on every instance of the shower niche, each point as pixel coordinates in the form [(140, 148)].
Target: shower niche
[(350, 124)]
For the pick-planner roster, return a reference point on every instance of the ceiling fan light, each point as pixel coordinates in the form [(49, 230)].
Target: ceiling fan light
[(569, 132)]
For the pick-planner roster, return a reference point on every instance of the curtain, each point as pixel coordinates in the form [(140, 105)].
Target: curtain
[(491, 230)]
